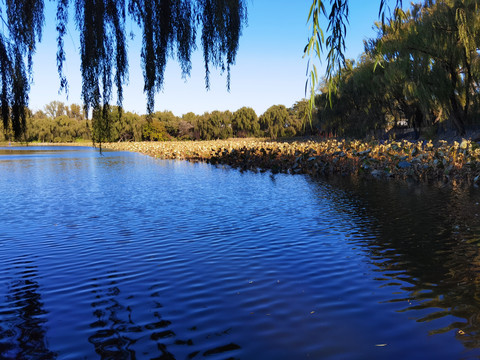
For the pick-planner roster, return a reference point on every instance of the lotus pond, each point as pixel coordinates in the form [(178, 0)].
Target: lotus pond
[(124, 256)]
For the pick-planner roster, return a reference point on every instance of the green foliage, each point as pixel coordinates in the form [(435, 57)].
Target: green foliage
[(433, 49), (60, 129), (422, 69), (186, 126), (154, 130), (245, 122), (76, 112), (215, 125), (334, 43), (69, 124), (275, 121), (299, 113), (359, 105), (170, 122)]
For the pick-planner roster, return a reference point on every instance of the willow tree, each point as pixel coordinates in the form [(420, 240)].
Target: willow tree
[(336, 30), (169, 30), (245, 122), (274, 121), (432, 49)]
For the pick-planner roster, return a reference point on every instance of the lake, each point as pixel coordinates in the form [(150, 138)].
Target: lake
[(123, 256)]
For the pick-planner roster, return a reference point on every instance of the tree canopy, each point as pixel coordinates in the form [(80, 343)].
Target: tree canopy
[(434, 48), (169, 29)]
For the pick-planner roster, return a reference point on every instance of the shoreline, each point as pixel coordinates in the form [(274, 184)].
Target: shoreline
[(11, 144), (456, 164), (441, 164)]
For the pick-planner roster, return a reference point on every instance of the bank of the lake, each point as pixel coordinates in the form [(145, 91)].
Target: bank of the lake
[(454, 163)]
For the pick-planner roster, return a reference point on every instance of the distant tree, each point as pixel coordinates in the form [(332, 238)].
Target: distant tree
[(361, 103), (129, 127), (190, 117), (189, 130), (185, 130), (41, 129), (245, 122), (222, 121), (55, 108), (169, 121), (274, 121), (299, 112), (39, 114), (76, 112), (155, 131), (214, 125)]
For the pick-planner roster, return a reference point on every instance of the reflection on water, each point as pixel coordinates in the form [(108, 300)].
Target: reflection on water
[(426, 243), (131, 257), (23, 318), (113, 323)]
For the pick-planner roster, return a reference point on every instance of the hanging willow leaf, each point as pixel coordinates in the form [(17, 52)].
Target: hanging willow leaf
[(62, 19), (335, 42), (24, 21), (168, 30), (6, 68)]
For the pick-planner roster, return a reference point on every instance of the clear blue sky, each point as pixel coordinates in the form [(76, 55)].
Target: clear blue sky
[(269, 69)]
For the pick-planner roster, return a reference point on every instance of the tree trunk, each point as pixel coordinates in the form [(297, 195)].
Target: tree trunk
[(458, 115)]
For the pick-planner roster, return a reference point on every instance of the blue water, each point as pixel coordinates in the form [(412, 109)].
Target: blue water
[(122, 256)]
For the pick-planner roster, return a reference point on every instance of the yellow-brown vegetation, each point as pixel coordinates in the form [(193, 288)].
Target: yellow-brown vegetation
[(456, 164)]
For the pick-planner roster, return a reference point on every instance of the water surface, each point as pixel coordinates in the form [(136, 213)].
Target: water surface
[(122, 256)]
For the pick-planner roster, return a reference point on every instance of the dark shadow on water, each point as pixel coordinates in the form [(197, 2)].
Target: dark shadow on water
[(116, 332), (22, 330), (115, 329), (426, 241)]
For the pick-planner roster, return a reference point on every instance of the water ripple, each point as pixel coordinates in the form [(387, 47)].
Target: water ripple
[(122, 256)]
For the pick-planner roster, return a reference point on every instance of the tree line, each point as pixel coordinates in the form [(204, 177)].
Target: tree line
[(421, 72), (58, 122)]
